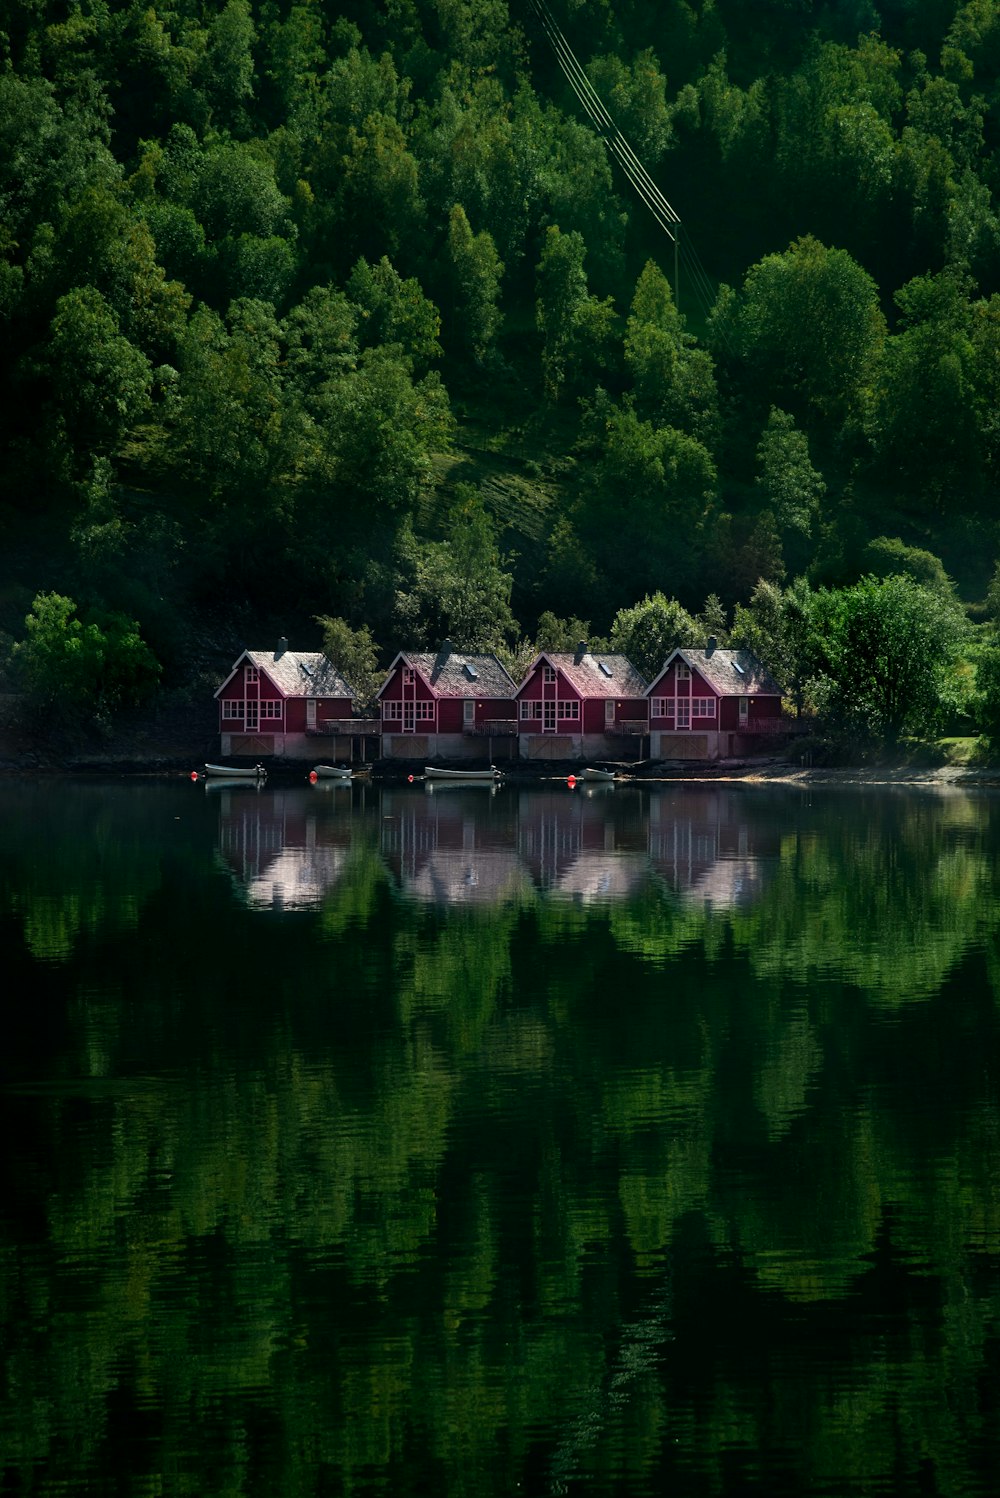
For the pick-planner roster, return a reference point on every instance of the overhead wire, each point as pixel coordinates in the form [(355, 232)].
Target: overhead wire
[(620, 149)]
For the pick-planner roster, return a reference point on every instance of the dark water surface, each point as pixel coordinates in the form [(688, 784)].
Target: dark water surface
[(636, 1141)]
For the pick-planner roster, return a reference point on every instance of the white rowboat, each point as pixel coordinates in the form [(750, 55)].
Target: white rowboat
[(590, 774), (236, 772), (332, 772), (432, 773)]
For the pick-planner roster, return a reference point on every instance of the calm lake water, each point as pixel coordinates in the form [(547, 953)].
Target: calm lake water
[(638, 1141)]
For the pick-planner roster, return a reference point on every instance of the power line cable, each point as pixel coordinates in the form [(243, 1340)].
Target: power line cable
[(648, 192)]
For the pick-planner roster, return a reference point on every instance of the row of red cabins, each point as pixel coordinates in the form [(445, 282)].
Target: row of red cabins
[(704, 704)]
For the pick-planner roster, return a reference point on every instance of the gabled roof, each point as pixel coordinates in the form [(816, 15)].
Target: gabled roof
[(296, 673), (455, 673), (602, 675), (731, 673)]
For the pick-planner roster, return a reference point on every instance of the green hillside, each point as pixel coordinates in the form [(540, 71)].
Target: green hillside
[(316, 309)]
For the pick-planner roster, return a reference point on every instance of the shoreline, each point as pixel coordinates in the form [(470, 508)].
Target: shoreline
[(739, 772)]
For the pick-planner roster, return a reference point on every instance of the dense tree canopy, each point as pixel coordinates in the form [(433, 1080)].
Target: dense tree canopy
[(276, 279)]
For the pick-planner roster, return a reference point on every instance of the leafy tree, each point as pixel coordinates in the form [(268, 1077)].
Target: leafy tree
[(635, 96), (986, 697), (660, 485), (887, 644), (577, 330), (476, 274), (377, 428), (810, 330), (674, 380), (225, 69), (777, 626), (100, 381), (788, 484), (90, 665), (553, 633), (923, 416), (650, 630), (355, 655), (391, 310), (457, 588), (888, 556)]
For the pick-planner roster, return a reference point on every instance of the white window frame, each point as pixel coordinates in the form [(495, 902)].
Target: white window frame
[(251, 716), (569, 709), (250, 673), (609, 711), (682, 712), (232, 707), (703, 707), (683, 671), (469, 710), (548, 673), (270, 707), (392, 710), (744, 711), (425, 710), (409, 676)]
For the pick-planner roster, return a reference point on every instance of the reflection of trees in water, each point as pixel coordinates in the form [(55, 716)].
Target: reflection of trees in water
[(412, 1178)]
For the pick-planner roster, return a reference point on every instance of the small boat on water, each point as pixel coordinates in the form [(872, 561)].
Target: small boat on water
[(332, 772), (431, 772), (235, 772), (591, 774)]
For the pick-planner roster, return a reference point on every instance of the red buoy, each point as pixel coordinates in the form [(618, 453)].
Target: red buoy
[(410, 779), (313, 777), (194, 774), (571, 782)]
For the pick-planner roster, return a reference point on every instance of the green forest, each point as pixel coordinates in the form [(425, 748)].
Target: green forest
[(494, 319)]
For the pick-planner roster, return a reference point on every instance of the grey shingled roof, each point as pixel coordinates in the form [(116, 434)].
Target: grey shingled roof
[(718, 668), (446, 671), (301, 673), (585, 674)]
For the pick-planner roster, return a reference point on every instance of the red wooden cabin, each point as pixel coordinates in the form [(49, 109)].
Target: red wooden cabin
[(287, 703), (707, 704), (448, 705), (581, 704)]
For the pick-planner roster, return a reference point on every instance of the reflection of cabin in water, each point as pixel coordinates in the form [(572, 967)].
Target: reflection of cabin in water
[(452, 846), (581, 847), (709, 848), (283, 847)]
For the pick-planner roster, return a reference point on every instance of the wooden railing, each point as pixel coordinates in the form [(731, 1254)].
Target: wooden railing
[(492, 728), (347, 727), (627, 727)]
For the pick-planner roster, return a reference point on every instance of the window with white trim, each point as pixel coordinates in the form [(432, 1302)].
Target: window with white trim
[(703, 707), (683, 671), (662, 707), (408, 677), (232, 707), (469, 710), (270, 708), (531, 707), (569, 709), (392, 708), (548, 673), (425, 710), (251, 673), (683, 712)]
